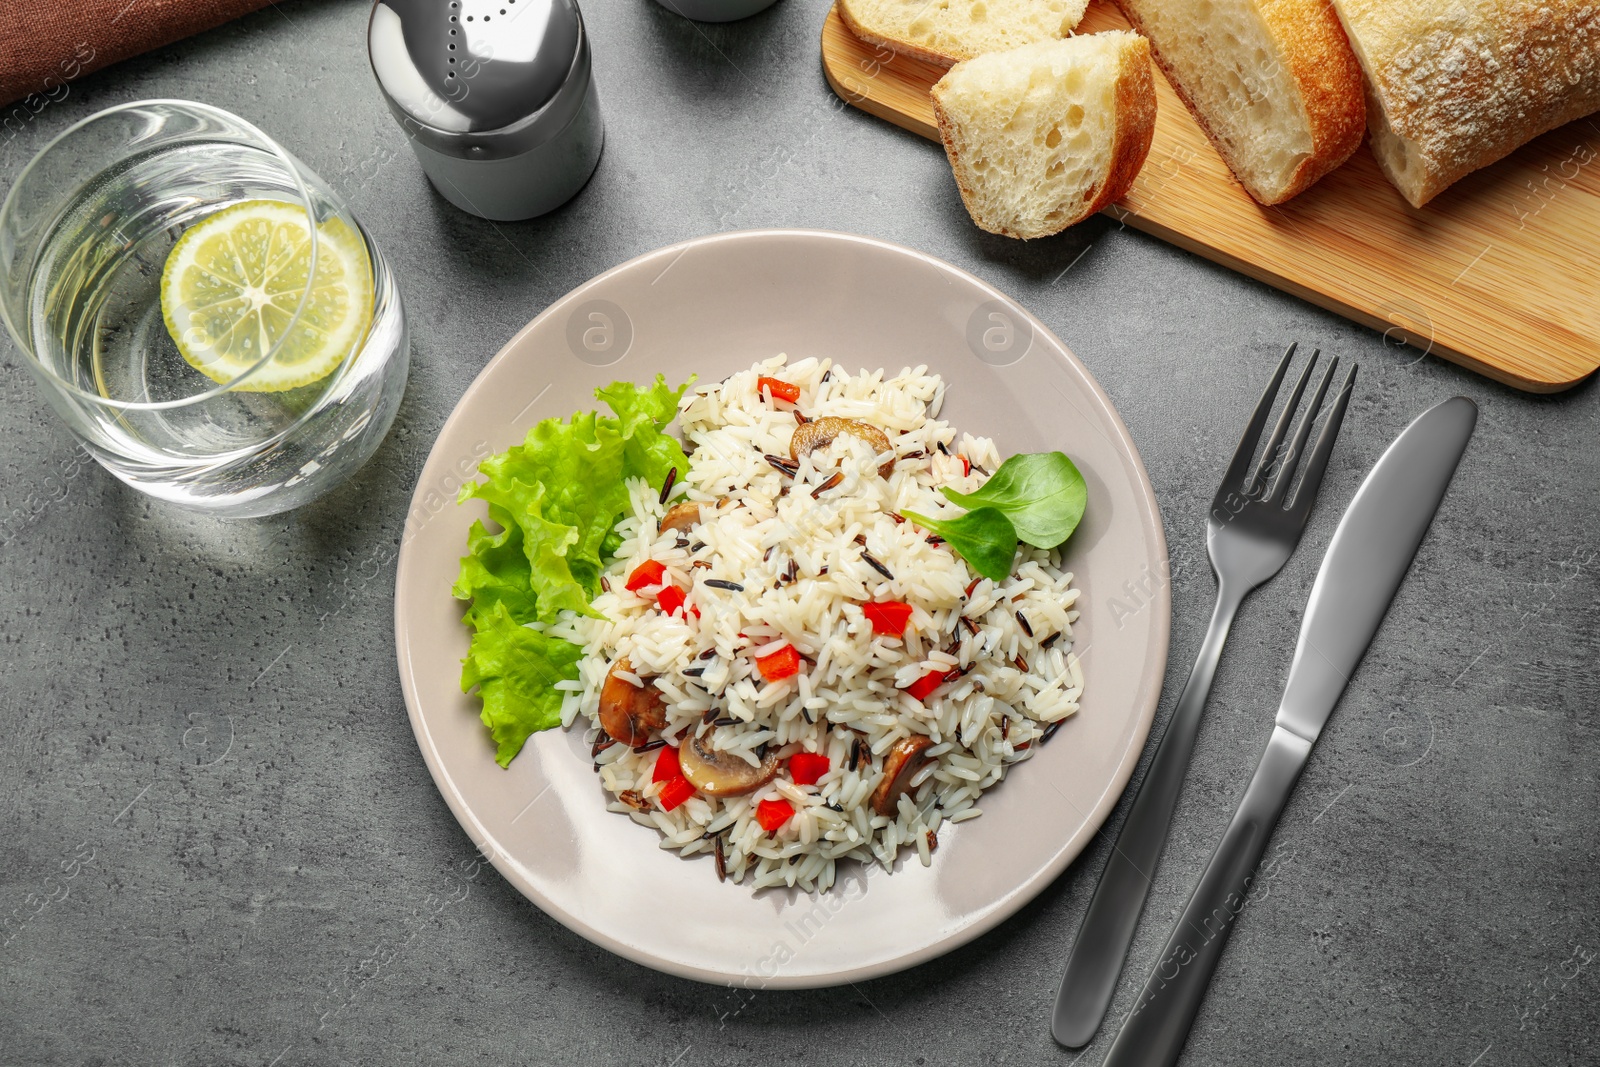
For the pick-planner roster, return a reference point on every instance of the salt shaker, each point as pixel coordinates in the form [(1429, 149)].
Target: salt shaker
[(497, 97)]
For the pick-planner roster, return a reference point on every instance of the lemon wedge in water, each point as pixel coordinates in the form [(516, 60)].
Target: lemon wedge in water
[(234, 279)]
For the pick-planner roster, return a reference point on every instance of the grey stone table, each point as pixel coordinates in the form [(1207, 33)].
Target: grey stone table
[(218, 841)]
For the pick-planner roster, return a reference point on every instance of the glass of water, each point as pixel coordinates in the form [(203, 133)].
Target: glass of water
[(201, 309)]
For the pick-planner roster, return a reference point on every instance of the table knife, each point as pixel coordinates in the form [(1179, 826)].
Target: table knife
[(1369, 555)]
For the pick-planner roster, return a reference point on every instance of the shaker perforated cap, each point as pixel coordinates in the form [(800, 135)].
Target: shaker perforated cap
[(480, 79)]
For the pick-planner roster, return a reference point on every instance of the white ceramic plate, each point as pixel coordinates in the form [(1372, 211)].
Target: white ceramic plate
[(710, 307)]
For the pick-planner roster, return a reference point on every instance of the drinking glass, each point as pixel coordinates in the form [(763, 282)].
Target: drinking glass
[(85, 236)]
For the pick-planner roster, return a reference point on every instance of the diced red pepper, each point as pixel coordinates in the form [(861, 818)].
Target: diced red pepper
[(784, 663), (780, 390), (675, 792), (922, 687), (772, 814), (671, 599), (888, 617), (646, 574), (807, 767), (966, 466), (666, 765)]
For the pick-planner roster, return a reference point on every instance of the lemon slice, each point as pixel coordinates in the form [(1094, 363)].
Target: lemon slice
[(234, 279)]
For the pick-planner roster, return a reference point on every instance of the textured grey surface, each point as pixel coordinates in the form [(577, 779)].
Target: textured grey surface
[(218, 842)]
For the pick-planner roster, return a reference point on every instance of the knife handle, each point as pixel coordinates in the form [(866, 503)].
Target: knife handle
[(1154, 1033)]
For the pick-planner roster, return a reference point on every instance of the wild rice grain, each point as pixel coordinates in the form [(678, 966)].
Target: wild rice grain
[(872, 562), (723, 583), (666, 485), (835, 479), (1022, 621)]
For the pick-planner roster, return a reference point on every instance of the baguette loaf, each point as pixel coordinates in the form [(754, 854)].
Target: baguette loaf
[(1273, 83), (1045, 135), (1454, 86), (948, 31)]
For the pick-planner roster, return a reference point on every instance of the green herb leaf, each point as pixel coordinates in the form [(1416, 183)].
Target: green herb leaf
[(1042, 494), (984, 537)]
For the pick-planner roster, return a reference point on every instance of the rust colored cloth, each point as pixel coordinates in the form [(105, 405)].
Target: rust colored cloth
[(44, 44)]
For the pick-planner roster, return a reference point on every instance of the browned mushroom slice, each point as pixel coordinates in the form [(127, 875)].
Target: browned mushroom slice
[(679, 517), (723, 774), (627, 712), (904, 760), (819, 433)]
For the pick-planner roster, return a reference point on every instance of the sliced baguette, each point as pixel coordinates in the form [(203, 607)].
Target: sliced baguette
[(948, 31), (1454, 87), (1045, 135), (1274, 83)]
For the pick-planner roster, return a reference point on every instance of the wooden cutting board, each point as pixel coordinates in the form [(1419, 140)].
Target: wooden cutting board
[(1501, 273)]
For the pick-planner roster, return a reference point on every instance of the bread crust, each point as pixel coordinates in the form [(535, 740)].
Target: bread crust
[(1323, 67), (1456, 88), (895, 44), (1130, 145), (1136, 125)]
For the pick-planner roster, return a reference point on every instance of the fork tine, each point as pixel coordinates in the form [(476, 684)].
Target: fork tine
[(1317, 462), (1291, 456), (1271, 458), (1239, 466)]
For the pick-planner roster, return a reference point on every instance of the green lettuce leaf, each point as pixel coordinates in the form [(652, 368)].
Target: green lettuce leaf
[(556, 498), (516, 670)]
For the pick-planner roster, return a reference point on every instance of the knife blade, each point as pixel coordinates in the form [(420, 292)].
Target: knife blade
[(1371, 551)]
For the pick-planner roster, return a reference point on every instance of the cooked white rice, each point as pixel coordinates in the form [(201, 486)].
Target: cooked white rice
[(1014, 687)]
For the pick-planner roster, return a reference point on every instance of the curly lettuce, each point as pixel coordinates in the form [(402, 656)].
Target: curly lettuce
[(555, 499)]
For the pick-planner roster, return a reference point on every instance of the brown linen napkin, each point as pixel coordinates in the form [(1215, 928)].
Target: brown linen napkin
[(44, 45)]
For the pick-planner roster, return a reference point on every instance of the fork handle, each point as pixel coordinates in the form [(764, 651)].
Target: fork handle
[(1157, 1028), (1095, 962)]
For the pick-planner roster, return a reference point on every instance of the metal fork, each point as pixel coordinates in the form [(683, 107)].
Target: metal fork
[(1251, 532)]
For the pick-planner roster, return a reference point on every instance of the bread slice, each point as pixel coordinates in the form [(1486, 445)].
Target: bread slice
[(948, 31), (1273, 83), (1045, 135), (1454, 87)]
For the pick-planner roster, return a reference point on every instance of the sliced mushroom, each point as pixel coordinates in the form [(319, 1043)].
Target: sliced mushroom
[(627, 712), (723, 774), (820, 433), (904, 760), (679, 517)]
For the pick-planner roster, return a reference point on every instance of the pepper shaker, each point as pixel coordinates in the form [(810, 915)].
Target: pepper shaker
[(497, 98)]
